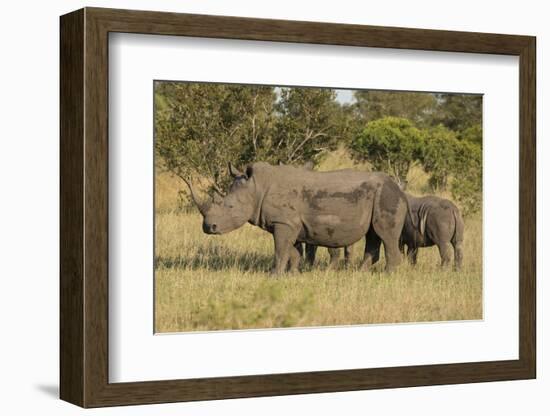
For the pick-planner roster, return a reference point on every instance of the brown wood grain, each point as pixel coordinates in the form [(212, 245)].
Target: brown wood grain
[(84, 207), (527, 207), (71, 213)]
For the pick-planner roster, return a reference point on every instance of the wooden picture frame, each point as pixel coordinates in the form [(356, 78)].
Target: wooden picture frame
[(84, 207)]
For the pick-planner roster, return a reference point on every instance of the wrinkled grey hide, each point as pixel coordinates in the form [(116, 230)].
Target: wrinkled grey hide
[(434, 221), (329, 209), (311, 249)]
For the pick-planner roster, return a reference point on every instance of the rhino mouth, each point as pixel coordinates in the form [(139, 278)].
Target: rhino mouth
[(210, 229)]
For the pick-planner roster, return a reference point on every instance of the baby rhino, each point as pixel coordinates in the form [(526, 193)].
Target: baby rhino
[(433, 221)]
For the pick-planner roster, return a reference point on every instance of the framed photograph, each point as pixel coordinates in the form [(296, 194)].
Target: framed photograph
[(255, 207)]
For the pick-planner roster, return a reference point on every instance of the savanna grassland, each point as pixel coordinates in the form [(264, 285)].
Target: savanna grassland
[(205, 282)]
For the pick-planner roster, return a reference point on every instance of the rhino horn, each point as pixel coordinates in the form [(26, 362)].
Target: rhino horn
[(200, 205)]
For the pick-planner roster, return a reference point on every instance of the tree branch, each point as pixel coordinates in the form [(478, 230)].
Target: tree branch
[(309, 136)]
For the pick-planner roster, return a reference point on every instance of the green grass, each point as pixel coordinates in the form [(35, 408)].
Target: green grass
[(222, 282)]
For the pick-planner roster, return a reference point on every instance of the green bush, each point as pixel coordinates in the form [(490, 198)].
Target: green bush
[(473, 134), (467, 185), (454, 164), (391, 145), (437, 156)]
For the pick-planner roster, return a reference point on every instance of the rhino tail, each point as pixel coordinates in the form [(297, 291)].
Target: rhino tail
[(419, 221), (423, 219), (410, 213)]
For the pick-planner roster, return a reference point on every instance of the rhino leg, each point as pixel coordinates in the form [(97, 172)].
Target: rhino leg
[(458, 254), (334, 254), (402, 246), (393, 256), (458, 239), (300, 248), (347, 254), (311, 251), (390, 238), (389, 212), (445, 253), (284, 238), (412, 255), (372, 249), (294, 260)]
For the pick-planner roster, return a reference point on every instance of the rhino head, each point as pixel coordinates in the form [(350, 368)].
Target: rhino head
[(222, 215)]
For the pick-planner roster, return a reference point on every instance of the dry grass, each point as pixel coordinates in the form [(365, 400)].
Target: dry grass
[(222, 282)]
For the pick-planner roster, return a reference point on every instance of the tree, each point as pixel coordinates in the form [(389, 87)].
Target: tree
[(456, 164), (348, 123), (458, 112), (461, 113), (473, 134), (467, 185), (391, 145), (306, 125), (199, 128), (437, 156), (418, 107)]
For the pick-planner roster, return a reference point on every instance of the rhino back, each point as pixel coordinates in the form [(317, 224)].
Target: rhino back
[(329, 208), (320, 192)]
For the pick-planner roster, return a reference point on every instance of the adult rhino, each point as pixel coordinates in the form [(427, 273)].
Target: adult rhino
[(330, 209), (433, 221)]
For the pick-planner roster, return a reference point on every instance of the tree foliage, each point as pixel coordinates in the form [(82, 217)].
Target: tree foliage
[(417, 107), (391, 145), (461, 113), (306, 124), (437, 156), (394, 145), (458, 112), (467, 185), (473, 134), (199, 128)]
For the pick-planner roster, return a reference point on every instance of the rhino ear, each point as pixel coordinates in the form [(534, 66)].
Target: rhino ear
[(280, 163), (217, 199), (233, 171), (308, 165)]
